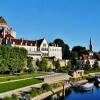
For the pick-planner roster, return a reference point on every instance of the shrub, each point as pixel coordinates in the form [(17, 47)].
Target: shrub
[(7, 98), (46, 87), (14, 97)]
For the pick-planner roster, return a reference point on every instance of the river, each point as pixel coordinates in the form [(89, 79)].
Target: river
[(83, 95)]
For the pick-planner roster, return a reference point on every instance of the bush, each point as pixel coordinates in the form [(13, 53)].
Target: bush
[(46, 87), (14, 97), (34, 92), (28, 96), (7, 98)]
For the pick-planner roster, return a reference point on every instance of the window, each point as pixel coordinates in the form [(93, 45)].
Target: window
[(44, 44), (42, 49)]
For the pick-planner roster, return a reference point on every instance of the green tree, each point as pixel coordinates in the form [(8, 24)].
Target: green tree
[(44, 64), (74, 55), (3, 66), (65, 48), (87, 65), (80, 50), (57, 64), (73, 63), (29, 64), (96, 65), (12, 58)]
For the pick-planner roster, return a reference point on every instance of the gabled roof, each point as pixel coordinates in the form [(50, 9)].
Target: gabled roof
[(2, 20), (87, 57), (39, 42), (97, 55)]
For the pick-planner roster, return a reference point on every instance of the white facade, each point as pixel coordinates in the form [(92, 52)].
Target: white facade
[(40, 49), (55, 52), (92, 61), (50, 51), (32, 51), (44, 48)]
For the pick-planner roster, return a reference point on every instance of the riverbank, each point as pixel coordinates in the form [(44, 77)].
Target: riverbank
[(56, 91), (50, 93)]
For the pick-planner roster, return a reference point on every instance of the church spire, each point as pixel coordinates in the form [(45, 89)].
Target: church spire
[(90, 46)]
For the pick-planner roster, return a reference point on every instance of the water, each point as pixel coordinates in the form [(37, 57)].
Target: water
[(83, 95)]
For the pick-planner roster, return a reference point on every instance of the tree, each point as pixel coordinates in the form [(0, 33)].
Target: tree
[(43, 64), (65, 48), (80, 50), (12, 58), (96, 65), (73, 63), (69, 64), (38, 62), (66, 52), (74, 55), (3, 66), (57, 64), (87, 65), (59, 42), (29, 64)]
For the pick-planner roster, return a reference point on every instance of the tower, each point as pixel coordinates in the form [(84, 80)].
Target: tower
[(90, 46)]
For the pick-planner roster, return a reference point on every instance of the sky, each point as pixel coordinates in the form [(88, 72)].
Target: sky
[(74, 21)]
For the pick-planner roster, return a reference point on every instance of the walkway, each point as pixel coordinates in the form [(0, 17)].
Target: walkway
[(28, 88)]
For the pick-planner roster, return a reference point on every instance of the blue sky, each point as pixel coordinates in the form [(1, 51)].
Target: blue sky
[(74, 21)]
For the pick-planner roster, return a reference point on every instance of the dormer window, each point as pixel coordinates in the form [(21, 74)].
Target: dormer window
[(26, 43), (44, 44)]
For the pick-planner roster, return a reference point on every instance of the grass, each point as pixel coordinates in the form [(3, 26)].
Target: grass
[(92, 71), (15, 85), (16, 77)]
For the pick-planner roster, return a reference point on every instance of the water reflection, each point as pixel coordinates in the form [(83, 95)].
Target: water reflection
[(76, 94)]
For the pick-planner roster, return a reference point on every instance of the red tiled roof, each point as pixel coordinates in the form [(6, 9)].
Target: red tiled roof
[(1, 36), (8, 35), (86, 57), (24, 42)]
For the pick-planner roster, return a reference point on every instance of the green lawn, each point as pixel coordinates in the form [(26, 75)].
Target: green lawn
[(15, 85), (16, 77)]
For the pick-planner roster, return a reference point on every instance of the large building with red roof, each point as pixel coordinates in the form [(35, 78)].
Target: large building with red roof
[(36, 48)]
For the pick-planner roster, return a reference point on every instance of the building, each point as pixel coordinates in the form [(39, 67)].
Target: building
[(55, 51), (92, 57), (5, 30), (36, 48)]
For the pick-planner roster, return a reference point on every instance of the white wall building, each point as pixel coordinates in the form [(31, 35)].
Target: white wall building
[(49, 50), (42, 46), (55, 51), (38, 49), (30, 46)]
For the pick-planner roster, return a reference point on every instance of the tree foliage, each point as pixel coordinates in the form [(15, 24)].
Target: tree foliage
[(43, 64), (87, 65), (12, 59), (80, 50), (96, 65), (29, 64), (65, 48)]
